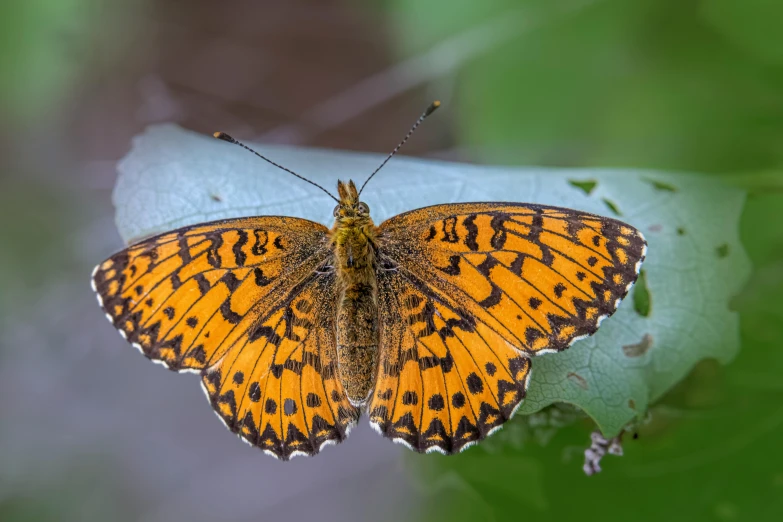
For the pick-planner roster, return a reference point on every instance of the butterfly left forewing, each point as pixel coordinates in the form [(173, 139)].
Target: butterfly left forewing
[(540, 276)]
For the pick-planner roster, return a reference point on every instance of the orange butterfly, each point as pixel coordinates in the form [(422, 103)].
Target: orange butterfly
[(427, 323)]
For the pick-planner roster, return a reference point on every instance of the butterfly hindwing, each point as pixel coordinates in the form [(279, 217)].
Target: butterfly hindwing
[(540, 276), (445, 380), (278, 388), (244, 302)]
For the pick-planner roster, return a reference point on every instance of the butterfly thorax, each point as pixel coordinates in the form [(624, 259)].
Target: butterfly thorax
[(353, 241)]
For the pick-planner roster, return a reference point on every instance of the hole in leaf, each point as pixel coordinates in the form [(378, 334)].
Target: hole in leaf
[(680, 231), (640, 348), (611, 206), (578, 380), (585, 186), (641, 295), (660, 185), (722, 250)]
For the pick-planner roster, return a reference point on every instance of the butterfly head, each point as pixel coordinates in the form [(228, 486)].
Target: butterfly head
[(350, 211)]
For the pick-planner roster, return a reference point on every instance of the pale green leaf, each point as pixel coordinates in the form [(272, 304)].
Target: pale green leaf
[(695, 262)]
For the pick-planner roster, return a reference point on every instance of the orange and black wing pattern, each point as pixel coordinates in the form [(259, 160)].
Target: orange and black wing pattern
[(246, 303), (529, 279), (445, 379), (540, 276)]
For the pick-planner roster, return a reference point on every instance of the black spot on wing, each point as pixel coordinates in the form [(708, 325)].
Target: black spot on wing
[(239, 255), (227, 313), (486, 266), (470, 226), (312, 400), (493, 298), (198, 354), (450, 230), (264, 331), (498, 225), (453, 268), (259, 245), (260, 278), (270, 406), (213, 251), (475, 384), (231, 281), (203, 283), (436, 402), (254, 392)]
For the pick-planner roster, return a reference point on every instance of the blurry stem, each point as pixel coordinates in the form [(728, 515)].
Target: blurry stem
[(439, 61)]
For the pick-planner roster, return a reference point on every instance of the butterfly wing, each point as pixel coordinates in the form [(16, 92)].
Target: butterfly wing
[(246, 303), (278, 387), (540, 276), (445, 379), (515, 280)]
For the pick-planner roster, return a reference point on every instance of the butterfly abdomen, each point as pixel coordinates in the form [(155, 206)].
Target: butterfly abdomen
[(353, 240), (357, 341), (357, 317)]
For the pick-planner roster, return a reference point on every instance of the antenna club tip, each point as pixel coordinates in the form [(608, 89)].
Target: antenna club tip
[(434, 105), (223, 136)]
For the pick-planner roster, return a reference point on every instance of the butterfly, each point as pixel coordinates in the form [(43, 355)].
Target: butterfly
[(428, 323)]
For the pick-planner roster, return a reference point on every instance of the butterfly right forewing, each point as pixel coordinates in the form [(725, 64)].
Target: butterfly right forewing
[(540, 276)]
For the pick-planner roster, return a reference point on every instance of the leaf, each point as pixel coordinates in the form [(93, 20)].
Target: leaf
[(173, 178)]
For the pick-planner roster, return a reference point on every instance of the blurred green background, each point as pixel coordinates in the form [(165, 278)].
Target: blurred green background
[(687, 85)]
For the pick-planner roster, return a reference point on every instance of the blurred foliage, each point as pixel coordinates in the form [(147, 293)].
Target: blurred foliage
[(670, 84), (665, 84), (48, 47)]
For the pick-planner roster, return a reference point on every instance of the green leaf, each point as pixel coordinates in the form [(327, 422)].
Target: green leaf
[(173, 178)]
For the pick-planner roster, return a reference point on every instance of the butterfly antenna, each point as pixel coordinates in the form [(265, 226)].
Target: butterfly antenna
[(434, 105), (225, 137)]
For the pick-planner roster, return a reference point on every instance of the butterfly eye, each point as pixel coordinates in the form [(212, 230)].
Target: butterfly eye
[(336, 211), (363, 208)]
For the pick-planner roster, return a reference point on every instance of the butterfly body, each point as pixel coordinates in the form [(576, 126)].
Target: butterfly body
[(354, 243)]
